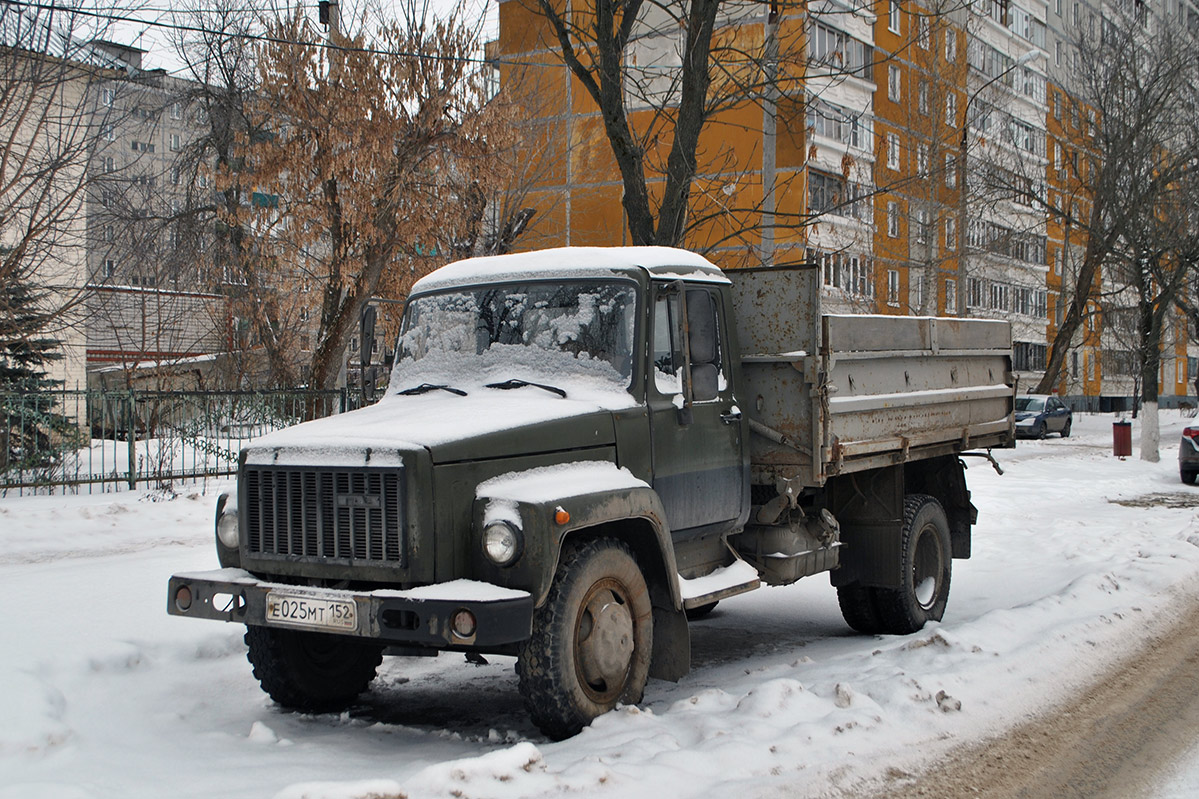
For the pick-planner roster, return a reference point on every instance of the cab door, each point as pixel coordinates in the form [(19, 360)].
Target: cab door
[(697, 447)]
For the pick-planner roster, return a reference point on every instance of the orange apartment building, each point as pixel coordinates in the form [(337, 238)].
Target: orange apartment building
[(890, 124)]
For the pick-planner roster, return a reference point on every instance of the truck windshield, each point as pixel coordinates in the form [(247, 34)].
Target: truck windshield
[(555, 331)]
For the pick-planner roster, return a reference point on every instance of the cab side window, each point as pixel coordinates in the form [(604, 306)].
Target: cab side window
[(668, 348)]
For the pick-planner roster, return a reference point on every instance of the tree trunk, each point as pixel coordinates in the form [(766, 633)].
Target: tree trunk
[(1150, 329)]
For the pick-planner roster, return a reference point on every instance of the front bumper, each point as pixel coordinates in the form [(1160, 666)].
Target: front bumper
[(389, 616)]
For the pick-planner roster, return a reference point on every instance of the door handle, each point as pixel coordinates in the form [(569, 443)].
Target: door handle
[(732, 416)]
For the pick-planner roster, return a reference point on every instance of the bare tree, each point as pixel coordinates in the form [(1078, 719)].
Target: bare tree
[(1131, 112), (367, 155)]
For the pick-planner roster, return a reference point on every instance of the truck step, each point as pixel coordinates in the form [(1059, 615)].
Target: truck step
[(736, 578)]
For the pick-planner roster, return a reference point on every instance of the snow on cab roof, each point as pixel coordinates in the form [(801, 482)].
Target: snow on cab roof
[(661, 262)]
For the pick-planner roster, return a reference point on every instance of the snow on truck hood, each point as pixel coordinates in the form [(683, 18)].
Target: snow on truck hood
[(437, 421)]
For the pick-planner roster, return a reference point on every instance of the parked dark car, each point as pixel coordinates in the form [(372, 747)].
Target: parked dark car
[(1038, 415), (1188, 455)]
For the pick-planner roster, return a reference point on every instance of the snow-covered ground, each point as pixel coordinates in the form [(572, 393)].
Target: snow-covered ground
[(105, 695)]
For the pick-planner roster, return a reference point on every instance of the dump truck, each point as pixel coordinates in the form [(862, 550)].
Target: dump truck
[(580, 451)]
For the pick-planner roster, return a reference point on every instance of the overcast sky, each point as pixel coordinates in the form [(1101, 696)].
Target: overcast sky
[(148, 34)]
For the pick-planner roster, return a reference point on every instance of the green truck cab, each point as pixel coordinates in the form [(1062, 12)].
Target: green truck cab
[(581, 448)]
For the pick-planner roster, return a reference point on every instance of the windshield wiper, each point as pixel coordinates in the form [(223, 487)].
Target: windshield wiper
[(425, 388), (517, 383)]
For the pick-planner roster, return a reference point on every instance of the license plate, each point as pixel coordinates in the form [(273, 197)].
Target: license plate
[(305, 610)]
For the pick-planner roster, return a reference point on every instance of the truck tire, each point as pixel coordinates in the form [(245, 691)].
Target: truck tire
[(311, 672), (591, 641), (925, 565), (857, 608), (695, 614)]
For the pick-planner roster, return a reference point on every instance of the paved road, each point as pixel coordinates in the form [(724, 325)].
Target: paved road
[(1117, 740)]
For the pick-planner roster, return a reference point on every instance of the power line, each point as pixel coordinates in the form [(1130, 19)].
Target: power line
[(256, 37)]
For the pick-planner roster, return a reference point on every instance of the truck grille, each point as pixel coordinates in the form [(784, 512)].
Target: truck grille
[(305, 514)]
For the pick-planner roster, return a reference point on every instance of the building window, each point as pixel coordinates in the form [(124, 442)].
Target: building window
[(893, 219), (1028, 357), (174, 176), (839, 124), (202, 180), (893, 151), (109, 133), (951, 45), (175, 143), (922, 159), (922, 97), (974, 293), (850, 273), (922, 32), (951, 234), (825, 192), (1057, 53), (110, 164), (842, 53), (894, 83), (1040, 304), (951, 109), (893, 17), (892, 287), (110, 268), (176, 110), (951, 296), (110, 233), (920, 234), (917, 290), (1001, 297)]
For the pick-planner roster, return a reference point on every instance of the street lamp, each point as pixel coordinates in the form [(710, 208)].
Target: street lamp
[(963, 224)]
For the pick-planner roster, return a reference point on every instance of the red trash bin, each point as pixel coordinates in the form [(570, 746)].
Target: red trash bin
[(1122, 439)]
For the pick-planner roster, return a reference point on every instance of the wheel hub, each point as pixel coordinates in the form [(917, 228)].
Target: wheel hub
[(927, 567), (605, 642)]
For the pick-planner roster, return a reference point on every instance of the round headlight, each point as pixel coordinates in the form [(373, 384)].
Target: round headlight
[(226, 530), (501, 542)]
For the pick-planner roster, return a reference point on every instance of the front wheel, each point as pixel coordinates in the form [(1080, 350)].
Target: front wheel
[(591, 641), (926, 559), (311, 672), (1188, 477)]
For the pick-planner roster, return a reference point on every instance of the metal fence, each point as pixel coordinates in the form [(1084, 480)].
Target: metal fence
[(98, 441)]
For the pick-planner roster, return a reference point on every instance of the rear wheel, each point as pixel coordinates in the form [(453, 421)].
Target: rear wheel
[(926, 560), (1187, 477), (1066, 429), (311, 672), (591, 640)]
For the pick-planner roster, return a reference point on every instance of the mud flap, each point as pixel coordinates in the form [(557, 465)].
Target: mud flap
[(672, 645)]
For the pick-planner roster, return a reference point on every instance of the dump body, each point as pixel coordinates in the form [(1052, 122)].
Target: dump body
[(837, 394)]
